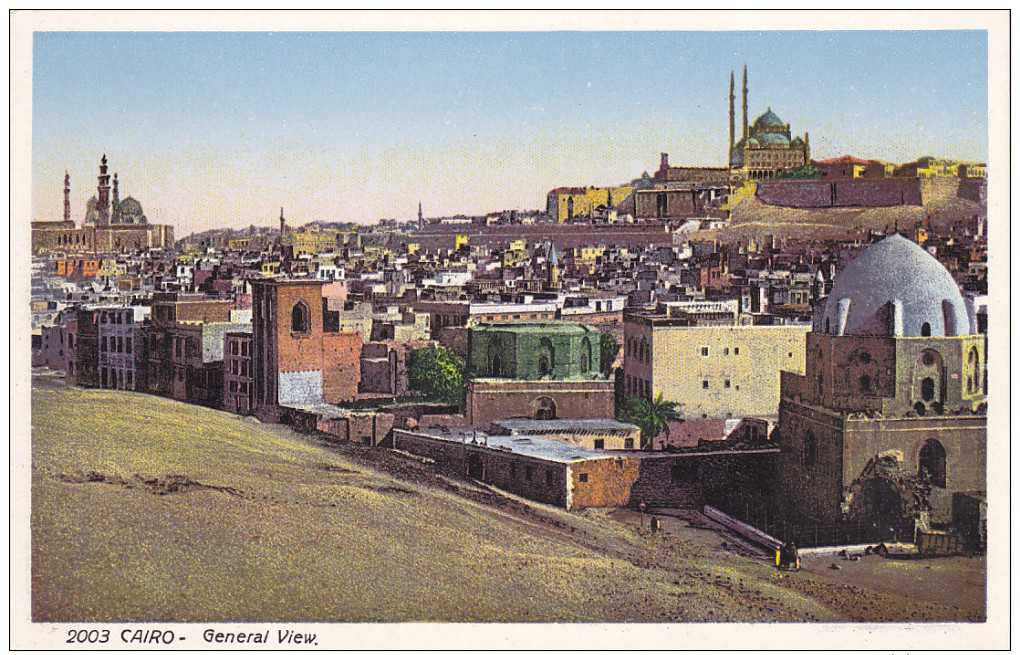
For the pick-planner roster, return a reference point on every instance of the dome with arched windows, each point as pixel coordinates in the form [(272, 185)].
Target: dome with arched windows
[(895, 288)]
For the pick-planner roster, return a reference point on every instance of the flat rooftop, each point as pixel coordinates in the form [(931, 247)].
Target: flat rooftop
[(525, 426), (552, 451)]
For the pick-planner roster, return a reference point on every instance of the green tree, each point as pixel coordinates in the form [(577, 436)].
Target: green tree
[(806, 172), (652, 416), (609, 348), (437, 373)]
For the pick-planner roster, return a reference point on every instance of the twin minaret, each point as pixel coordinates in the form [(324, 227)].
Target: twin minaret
[(733, 117)]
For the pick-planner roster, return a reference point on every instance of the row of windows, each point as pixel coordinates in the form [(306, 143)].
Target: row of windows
[(639, 349), (117, 318), (240, 347), (239, 387), (725, 351), (111, 378), (116, 344), (240, 367), (638, 387)]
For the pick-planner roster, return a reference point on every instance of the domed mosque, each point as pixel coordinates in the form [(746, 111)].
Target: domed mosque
[(765, 147), (893, 396)]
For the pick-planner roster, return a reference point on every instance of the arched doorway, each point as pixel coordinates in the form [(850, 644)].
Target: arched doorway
[(931, 461), (476, 469), (884, 502), (545, 409)]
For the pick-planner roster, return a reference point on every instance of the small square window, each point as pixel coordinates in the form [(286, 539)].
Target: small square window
[(736, 351), (628, 443), (704, 351), (704, 384), (726, 384), (600, 444), (582, 477)]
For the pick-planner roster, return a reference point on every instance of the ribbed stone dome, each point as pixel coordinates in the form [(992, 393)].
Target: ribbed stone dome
[(895, 288), (130, 206), (768, 119)]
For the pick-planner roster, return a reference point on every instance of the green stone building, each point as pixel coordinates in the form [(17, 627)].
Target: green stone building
[(559, 350)]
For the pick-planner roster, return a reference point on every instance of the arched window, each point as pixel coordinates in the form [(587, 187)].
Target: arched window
[(496, 369), (585, 355), (547, 357), (975, 364), (299, 318), (927, 389), (926, 329), (865, 383), (932, 461)]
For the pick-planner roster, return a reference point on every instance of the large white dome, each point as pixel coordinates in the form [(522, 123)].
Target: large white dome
[(895, 288)]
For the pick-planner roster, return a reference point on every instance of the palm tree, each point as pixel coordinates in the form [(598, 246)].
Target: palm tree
[(652, 416)]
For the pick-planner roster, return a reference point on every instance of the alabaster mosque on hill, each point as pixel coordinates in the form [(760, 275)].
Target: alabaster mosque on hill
[(766, 146), (111, 225)]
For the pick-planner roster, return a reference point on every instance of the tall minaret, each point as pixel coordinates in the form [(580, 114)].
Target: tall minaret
[(67, 196), (116, 197), (733, 117), (283, 223), (745, 101), (421, 219), (103, 200)]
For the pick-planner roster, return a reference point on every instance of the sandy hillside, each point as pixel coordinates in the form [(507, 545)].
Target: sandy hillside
[(145, 509)]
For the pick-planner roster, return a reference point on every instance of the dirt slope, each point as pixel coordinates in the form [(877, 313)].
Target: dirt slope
[(144, 509)]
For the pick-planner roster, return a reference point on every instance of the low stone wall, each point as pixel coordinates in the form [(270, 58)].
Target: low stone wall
[(887, 192)]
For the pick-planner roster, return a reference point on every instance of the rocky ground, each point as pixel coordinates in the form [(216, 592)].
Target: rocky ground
[(144, 509)]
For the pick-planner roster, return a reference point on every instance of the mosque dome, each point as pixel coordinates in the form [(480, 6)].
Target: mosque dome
[(130, 206), (895, 288), (767, 120), (129, 211), (774, 140)]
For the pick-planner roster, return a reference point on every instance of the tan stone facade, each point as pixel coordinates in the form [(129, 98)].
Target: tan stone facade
[(712, 371), (488, 399)]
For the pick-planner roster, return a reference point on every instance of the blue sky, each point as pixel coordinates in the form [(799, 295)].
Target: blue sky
[(222, 128)]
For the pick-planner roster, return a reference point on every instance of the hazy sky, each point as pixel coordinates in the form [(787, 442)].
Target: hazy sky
[(223, 128)]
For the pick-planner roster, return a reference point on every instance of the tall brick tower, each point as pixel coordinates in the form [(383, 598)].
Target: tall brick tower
[(287, 327)]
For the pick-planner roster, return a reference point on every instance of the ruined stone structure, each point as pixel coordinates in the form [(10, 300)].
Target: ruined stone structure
[(895, 370)]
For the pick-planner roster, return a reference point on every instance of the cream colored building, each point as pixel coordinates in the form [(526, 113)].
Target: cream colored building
[(713, 371)]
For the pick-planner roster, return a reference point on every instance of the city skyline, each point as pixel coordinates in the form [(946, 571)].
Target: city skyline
[(215, 129)]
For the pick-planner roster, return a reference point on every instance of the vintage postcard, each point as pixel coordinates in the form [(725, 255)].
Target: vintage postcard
[(486, 330)]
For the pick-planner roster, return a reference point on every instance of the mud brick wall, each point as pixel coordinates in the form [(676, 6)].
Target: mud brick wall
[(973, 190), (796, 194), (877, 193)]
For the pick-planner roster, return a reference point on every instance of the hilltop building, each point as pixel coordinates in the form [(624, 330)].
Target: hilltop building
[(110, 225), (766, 146)]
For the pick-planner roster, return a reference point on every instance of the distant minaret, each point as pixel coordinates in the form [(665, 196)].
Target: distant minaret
[(283, 223), (103, 200), (116, 197), (745, 101), (67, 196), (421, 219), (733, 117)]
